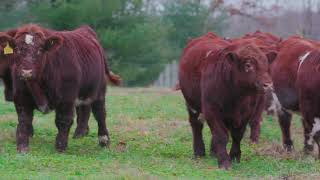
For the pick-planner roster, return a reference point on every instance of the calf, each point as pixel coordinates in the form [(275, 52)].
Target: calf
[(289, 93), (70, 68), (223, 81)]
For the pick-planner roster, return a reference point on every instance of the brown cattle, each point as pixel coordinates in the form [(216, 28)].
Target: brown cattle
[(223, 81), (293, 52), (70, 68), (268, 44), (308, 85)]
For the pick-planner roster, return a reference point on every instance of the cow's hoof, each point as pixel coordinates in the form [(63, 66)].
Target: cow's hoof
[(254, 141), (22, 149), (80, 133), (225, 165), (61, 146), (213, 154), (308, 149), (289, 147), (199, 154), (235, 158), (104, 141)]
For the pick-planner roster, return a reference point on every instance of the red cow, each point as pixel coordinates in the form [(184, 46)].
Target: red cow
[(268, 44), (293, 52), (222, 80), (71, 70), (308, 85)]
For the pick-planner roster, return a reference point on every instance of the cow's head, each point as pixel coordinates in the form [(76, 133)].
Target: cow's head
[(250, 68), (30, 45)]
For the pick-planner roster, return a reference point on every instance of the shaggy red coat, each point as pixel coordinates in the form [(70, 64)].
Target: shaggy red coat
[(198, 75), (70, 68)]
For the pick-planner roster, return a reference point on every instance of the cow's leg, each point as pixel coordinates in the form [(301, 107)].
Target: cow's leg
[(256, 120), (316, 138), (237, 135), (311, 123), (83, 115), (64, 120), (308, 137), (197, 126), (38, 96), (24, 128), (99, 112), (255, 127), (220, 137), (285, 123), (7, 82)]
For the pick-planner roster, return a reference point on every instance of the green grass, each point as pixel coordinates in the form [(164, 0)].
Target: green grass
[(151, 139)]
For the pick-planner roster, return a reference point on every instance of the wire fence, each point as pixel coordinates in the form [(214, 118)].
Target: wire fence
[(168, 78)]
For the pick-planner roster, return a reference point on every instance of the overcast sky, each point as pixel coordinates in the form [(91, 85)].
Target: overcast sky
[(287, 4)]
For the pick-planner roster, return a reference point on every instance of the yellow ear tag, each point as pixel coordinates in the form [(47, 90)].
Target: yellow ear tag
[(7, 50)]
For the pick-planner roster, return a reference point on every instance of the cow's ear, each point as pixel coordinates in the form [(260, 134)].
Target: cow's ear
[(271, 56), (232, 57), (6, 43), (12, 32), (53, 43)]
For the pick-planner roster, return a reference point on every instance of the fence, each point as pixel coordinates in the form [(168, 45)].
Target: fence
[(168, 77)]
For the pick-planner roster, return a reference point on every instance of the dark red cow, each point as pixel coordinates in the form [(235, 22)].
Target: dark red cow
[(223, 81), (293, 52), (308, 85), (268, 44), (70, 68)]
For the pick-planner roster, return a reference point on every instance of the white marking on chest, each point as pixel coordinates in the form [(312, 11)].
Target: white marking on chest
[(315, 129), (275, 104), (302, 59), (80, 102), (29, 39)]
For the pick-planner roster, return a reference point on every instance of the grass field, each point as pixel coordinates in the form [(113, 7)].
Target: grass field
[(150, 139)]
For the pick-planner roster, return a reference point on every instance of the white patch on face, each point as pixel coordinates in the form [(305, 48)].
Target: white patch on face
[(275, 104), (29, 39), (315, 129), (302, 59), (201, 118), (208, 53)]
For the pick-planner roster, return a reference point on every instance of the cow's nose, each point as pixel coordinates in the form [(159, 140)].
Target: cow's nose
[(26, 74), (267, 86)]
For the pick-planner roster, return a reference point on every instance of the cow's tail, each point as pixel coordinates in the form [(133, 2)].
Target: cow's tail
[(113, 78)]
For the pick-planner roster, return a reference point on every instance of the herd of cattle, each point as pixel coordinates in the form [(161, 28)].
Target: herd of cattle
[(227, 82)]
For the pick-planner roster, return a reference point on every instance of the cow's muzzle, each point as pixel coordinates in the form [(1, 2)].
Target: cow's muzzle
[(26, 74)]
